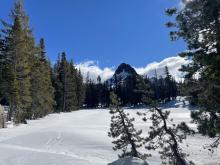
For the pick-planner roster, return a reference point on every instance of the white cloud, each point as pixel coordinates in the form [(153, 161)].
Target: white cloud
[(94, 70), (173, 63), (183, 3)]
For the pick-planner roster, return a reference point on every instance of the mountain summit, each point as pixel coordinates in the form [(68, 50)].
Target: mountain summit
[(124, 82), (122, 74), (125, 68)]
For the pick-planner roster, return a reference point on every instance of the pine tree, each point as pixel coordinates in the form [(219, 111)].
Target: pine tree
[(100, 91), (122, 128), (57, 85), (67, 86), (91, 93), (47, 82), (19, 48), (72, 88), (61, 80), (167, 138), (42, 90), (199, 25), (80, 92), (1, 67), (155, 86), (8, 83), (37, 88), (170, 85), (144, 90)]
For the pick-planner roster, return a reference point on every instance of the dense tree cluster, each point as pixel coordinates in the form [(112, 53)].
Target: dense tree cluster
[(163, 89), (26, 75), (68, 83), (96, 93)]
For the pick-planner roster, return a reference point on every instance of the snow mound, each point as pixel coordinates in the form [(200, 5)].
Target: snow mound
[(129, 161)]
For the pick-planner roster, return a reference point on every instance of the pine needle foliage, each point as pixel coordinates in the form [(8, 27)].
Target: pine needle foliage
[(198, 24), (164, 135), (128, 139)]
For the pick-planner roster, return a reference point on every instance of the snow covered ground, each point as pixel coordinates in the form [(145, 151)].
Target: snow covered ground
[(80, 138)]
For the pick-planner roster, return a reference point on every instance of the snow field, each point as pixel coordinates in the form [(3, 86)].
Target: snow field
[(81, 138)]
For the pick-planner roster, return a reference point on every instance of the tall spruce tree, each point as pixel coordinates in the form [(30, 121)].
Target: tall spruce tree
[(47, 79), (41, 90), (57, 85), (68, 86), (19, 49), (80, 91), (8, 83), (198, 24), (1, 67), (72, 91), (170, 85)]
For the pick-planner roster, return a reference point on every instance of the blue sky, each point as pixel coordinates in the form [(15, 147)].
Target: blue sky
[(107, 31)]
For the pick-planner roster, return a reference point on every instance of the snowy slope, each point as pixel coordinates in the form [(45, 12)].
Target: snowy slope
[(129, 161), (80, 138)]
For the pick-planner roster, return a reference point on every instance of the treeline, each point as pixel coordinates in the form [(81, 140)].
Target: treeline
[(68, 84), (28, 83), (96, 93), (162, 88)]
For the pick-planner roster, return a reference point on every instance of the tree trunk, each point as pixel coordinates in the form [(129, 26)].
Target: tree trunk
[(133, 147), (174, 146)]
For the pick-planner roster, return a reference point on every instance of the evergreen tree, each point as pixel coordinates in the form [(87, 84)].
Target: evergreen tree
[(68, 86), (8, 83), (80, 92), (71, 88), (19, 48), (1, 67), (47, 81), (143, 86), (106, 95), (91, 94), (122, 128), (100, 91), (170, 85), (37, 88), (199, 25), (155, 86), (42, 90), (167, 138)]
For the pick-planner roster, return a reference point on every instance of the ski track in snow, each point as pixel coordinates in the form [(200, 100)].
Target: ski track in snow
[(80, 138)]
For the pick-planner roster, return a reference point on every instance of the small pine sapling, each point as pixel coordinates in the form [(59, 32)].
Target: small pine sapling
[(122, 129)]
